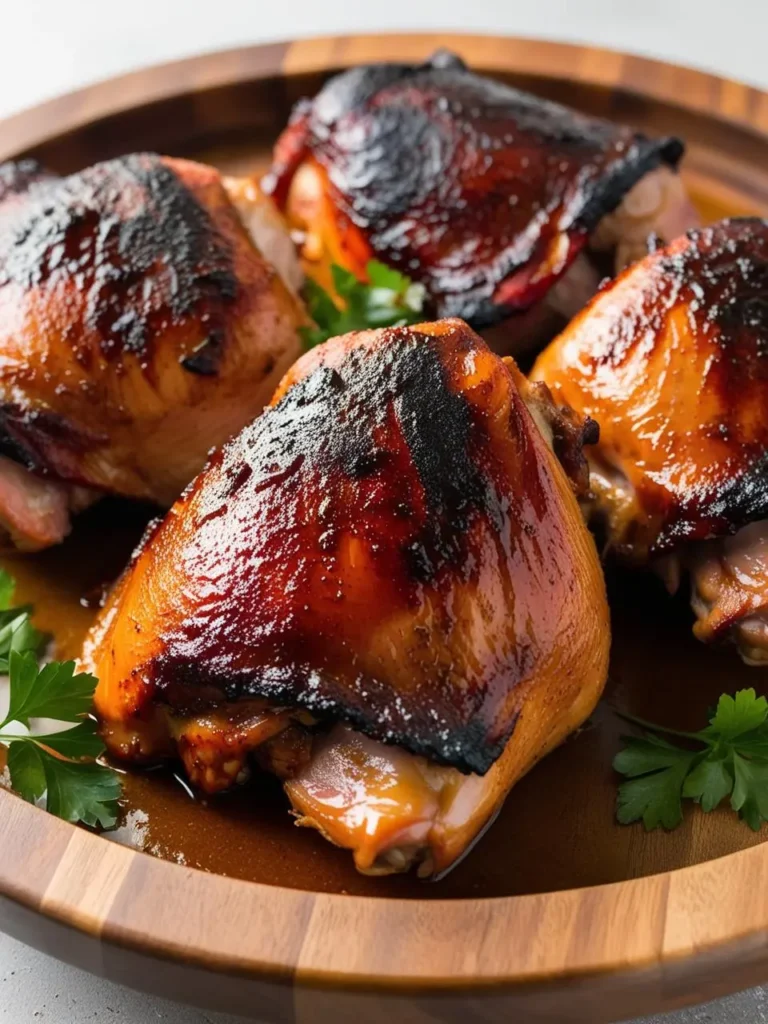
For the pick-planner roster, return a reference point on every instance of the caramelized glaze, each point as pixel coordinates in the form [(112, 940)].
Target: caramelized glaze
[(556, 829), (138, 323), (672, 361), (392, 542), (397, 155)]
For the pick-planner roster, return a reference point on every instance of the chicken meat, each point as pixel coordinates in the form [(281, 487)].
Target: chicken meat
[(672, 360), (141, 323), (382, 590), (503, 205)]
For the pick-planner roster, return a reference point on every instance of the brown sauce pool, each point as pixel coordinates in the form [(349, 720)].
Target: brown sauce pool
[(557, 828)]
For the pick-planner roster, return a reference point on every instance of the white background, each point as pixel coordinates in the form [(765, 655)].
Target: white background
[(49, 46)]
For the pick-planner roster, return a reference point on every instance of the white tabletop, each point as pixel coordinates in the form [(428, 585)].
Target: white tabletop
[(49, 46)]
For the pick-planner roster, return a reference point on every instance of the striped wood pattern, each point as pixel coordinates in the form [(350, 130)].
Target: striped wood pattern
[(585, 954)]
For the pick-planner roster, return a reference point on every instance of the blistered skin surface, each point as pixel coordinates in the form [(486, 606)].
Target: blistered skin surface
[(483, 193), (671, 360), (393, 543), (139, 325), (17, 176)]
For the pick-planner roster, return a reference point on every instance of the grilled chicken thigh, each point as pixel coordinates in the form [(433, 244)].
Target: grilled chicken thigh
[(395, 547), (18, 175), (494, 199), (671, 359), (139, 326)]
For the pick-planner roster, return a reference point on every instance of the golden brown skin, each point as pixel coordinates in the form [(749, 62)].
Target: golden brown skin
[(139, 326), (393, 544), (671, 360)]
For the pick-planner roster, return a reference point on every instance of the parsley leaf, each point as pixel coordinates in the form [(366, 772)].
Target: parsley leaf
[(25, 766), (7, 589), (74, 791), (709, 783), (81, 742), (53, 691), (81, 792), (387, 299), (739, 714), (61, 766), (729, 757), (750, 790), (657, 771), (16, 630)]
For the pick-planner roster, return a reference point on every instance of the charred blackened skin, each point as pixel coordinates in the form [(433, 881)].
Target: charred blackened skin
[(403, 387), (113, 228), (571, 432), (462, 182), (26, 435), (672, 359), (371, 502), (205, 360), (136, 242), (722, 276), (17, 176)]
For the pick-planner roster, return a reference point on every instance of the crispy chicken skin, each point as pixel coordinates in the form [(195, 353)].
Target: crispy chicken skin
[(485, 194), (18, 175), (394, 545), (139, 325), (671, 361)]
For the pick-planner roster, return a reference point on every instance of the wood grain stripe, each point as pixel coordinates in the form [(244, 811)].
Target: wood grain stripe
[(279, 954), (128, 92), (86, 881)]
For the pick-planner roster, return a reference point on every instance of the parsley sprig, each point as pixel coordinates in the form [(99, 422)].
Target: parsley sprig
[(16, 630), (387, 299), (61, 765), (728, 758)]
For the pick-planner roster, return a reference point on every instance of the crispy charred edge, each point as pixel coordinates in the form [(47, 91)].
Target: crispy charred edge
[(570, 433), (17, 175), (742, 501), (39, 439), (742, 497), (166, 226), (465, 747), (355, 87), (171, 224), (193, 688), (642, 157)]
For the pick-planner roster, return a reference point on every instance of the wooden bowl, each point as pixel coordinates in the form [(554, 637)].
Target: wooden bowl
[(520, 935)]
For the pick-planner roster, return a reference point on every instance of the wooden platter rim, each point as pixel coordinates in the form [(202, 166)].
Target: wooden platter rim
[(114, 893), (117, 895), (686, 87)]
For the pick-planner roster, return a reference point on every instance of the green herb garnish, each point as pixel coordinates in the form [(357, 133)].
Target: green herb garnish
[(16, 630), (387, 299), (728, 758), (58, 765)]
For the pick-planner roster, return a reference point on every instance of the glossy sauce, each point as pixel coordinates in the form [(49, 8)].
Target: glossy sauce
[(671, 360), (555, 831), (435, 137), (557, 828)]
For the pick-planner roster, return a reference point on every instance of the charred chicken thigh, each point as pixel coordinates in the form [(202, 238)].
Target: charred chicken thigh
[(672, 360), (382, 590), (494, 199), (139, 326)]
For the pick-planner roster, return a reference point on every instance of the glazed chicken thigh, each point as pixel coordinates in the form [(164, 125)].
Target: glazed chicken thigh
[(139, 326), (382, 590), (671, 359), (495, 200)]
